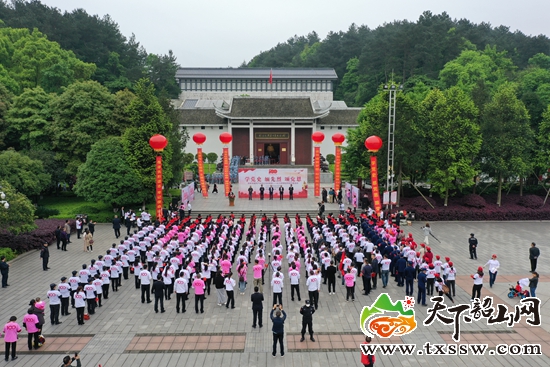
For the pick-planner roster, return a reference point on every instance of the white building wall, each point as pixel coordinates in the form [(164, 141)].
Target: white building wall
[(212, 143), (228, 96)]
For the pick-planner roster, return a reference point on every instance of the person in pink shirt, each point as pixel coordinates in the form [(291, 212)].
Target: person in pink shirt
[(349, 279), (30, 322), (11, 329), (199, 286), (241, 270), (225, 265), (257, 269)]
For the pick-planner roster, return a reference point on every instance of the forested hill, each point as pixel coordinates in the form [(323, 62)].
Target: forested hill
[(120, 61), (410, 50)]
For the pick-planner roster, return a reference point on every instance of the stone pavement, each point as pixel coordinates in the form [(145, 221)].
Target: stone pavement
[(125, 332)]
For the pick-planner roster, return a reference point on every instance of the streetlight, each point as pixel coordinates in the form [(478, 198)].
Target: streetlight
[(391, 137), (3, 201)]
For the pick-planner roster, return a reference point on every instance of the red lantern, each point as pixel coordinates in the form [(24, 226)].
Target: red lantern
[(373, 143), (318, 137), (199, 138), (226, 138), (158, 142), (338, 138)]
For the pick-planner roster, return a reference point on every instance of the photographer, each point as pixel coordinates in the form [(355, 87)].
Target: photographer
[(278, 328), (67, 361)]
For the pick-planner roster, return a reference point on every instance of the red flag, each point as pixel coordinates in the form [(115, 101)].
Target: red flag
[(271, 76)]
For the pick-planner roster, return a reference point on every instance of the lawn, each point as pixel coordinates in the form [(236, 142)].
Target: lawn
[(69, 205)]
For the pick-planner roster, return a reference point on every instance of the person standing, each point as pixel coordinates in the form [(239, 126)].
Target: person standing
[(385, 268), (409, 274), (30, 322), (349, 279), (331, 277), (98, 284), (57, 234), (422, 278), (307, 312), (55, 304), (262, 190), (281, 192), (472, 245), (91, 227), (91, 295), (65, 289), (158, 291), (493, 269), (67, 230), (271, 190), (294, 276), (145, 281), (11, 329), (278, 328), (257, 300), (189, 208), (313, 284), (427, 231), (199, 286), (257, 273), (324, 195), (250, 191), (88, 241), (291, 192), (64, 240), (229, 284), (277, 286), (241, 271), (73, 281), (478, 283), (78, 225), (219, 283), (366, 271), (533, 283), (534, 254), (4, 269), (80, 303), (368, 359), (451, 277), (45, 256), (116, 226), (181, 289)]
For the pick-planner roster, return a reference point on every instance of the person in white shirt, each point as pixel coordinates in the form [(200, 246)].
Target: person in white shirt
[(294, 276), (181, 288), (229, 289), (277, 286), (65, 289), (55, 304), (451, 276), (493, 265), (80, 303), (98, 284), (478, 284), (313, 284), (90, 291), (145, 280), (385, 270)]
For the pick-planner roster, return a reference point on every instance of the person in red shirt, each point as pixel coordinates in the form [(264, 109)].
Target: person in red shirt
[(368, 359)]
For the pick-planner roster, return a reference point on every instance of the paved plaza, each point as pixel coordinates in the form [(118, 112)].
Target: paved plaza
[(125, 332)]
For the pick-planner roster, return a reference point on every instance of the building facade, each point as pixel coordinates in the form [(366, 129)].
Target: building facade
[(271, 113)]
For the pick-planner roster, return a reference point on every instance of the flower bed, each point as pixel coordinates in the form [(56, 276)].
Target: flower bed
[(35, 239)]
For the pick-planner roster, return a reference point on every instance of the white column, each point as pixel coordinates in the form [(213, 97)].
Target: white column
[(251, 140), (292, 143)]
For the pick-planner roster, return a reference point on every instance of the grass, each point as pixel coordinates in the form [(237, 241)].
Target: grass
[(70, 205)]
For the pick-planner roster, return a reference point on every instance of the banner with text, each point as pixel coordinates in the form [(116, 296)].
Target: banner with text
[(276, 177), (188, 193)]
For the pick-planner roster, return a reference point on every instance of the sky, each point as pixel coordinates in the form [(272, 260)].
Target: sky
[(224, 33)]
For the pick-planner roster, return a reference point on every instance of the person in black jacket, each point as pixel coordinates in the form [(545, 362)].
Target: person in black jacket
[(281, 192), (45, 256), (58, 236), (534, 254), (158, 291), (257, 299), (4, 269), (271, 189), (307, 320), (262, 190), (366, 275), (331, 277), (220, 286), (116, 226), (291, 192), (278, 328)]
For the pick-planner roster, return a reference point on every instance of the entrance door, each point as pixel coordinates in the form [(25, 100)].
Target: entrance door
[(283, 156)]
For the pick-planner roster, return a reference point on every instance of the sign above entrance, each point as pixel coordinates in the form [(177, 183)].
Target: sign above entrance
[(271, 136)]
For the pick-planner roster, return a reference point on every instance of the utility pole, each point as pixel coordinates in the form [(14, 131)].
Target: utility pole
[(391, 138)]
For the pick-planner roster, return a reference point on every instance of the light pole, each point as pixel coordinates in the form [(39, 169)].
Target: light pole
[(3, 201), (391, 138)]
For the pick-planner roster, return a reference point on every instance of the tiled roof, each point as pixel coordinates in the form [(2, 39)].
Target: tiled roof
[(271, 107), (256, 73), (341, 117)]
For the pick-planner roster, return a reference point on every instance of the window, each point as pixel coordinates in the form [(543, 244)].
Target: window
[(248, 85), (193, 85), (223, 85), (339, 127), (209, 85), (203, 127), (308, 85), (322, 128), (220, 127), (233, 85)]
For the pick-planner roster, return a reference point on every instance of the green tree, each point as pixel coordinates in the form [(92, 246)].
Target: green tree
[(24, 174), (212, 157), (452, 139), (107, 177), (29, 120), (348, 88), (507, 137), (5, 105), (19, 217), (543, 140), (81, 117), (161, 70), (148, 119), (120, 117)]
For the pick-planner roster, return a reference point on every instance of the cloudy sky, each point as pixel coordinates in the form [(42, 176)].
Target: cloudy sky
[(221, 33)]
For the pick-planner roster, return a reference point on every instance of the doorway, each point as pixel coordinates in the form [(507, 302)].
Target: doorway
[(273, 151)]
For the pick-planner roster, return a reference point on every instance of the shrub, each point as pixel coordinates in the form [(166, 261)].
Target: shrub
[(43, 212), (473, 201), (419, 202), (8, 253), (331, 158), (87, 209), (44, 233), (531, 201)]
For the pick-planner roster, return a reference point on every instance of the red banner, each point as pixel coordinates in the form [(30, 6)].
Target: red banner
[(158, 186), (226, 178), (374, 179), (201, 173), (317, 172), (337, 164)]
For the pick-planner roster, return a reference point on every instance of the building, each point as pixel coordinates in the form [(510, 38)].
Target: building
[(271, 113)]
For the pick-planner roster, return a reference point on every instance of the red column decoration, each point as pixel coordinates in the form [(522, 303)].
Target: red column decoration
[(158, 143), (226, 138), (199, 139), (373, 144), (317, 138), (338, 139)]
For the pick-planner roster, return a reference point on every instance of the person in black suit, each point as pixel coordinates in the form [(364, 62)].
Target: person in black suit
[(116, 226), (158, 291), (271, 189), (291, 192), (45, 256), (58, 236), (257, 307), (281, 192), (262, 189), (128, 224), (250, 191)]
